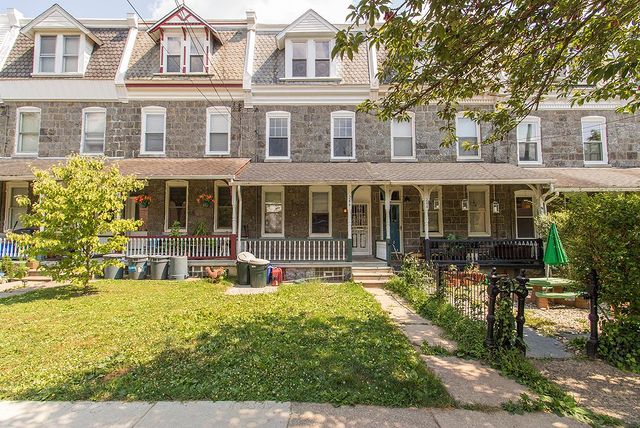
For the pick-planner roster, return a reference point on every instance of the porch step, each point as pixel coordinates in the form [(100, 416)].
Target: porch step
[(37, 278), (371, 276)]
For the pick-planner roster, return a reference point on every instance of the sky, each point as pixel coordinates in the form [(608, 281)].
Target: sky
[(268, 11)]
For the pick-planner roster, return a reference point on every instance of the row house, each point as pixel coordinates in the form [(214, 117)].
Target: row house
[(262, 118)]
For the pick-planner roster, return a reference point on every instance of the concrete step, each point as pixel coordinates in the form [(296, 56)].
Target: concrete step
[(372, 283), (361, 277), (370, 268), (37, 278)]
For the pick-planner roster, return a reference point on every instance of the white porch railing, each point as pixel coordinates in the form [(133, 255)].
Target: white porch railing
[(299, 250), (11, 249), (194, 247)]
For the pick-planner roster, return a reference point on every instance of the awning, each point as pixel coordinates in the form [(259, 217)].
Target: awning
[(388, 173), (150, 168), (594, 179)]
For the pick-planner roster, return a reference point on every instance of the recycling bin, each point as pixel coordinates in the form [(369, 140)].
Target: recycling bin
[(242, 264), (178, 268), (114, 271), (137, 266), (159, 267), (258, 269)]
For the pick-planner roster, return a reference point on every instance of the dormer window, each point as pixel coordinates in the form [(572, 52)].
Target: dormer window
[(299, 59), (70, 54), (61, 54), (308, 59), (196, 55), (173, 50), (47, 54), (190, 57)]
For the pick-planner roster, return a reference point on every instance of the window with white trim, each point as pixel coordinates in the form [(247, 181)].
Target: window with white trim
[(467, 139), (478, 214), (594, 140), (196, 54), (308, 59), (299, 59), (27, 130), (47, 58), (343, 142), (525, 214), (403, 144), (323, 58), (184, 54), (529, 141), (435, 214), (153, 130), (223, 207), (176, 204), (13, 210), (278, 135), (94, 124), (70, 54), (60, 53), (273, 211), (320, 211), (173, 54), (218, 130)]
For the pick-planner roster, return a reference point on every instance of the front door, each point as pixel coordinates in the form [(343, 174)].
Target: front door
[(395, 214), (360, 229)]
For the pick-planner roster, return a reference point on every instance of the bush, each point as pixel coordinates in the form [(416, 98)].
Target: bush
[(619, 343), (13, 270)]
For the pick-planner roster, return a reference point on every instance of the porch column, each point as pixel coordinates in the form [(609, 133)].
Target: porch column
[(387, 211), (239, 225), (426, 198), (349, 209), (234, 211)]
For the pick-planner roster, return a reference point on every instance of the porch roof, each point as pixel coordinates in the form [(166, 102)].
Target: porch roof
[(594, 179), (389, 173), (151, 168)]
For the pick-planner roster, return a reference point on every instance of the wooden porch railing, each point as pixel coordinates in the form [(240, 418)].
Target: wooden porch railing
[(221, 247), (485, 251), (10, 249), (299, 250)]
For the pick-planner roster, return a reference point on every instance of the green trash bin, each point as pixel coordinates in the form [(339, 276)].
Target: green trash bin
[(113, 271), (137, 267), (258, 272), (242, 265), (159, 267)]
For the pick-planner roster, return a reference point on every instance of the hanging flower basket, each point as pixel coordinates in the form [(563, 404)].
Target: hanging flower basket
[(205, 200), (143, 200)]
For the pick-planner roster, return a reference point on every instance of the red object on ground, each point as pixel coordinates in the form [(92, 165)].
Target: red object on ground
[(276, 276)]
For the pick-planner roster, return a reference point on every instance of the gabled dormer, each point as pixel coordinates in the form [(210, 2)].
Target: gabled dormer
[(185, 42), (307, 43), (62, 44)]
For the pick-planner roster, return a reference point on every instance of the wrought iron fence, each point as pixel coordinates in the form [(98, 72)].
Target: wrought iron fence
[(466, 291)]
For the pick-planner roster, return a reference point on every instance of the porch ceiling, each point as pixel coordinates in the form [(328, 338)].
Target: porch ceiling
[(389, 173), (594, 179), (151, 168)]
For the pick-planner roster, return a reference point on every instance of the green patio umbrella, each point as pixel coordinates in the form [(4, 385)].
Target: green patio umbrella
[(554, 254)]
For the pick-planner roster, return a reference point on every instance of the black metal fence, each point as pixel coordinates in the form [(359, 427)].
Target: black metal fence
[(466, 291)]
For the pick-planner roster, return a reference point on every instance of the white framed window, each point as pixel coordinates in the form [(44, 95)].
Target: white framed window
[(273, 211), (223, 207), (320, 211), (403, 138), (529, 140), (60, 54), (594, 140), (27, 131), (436, 228), (197, 51), (467, 133), (173, 54), (218, 131), (343, 141), (525, 214), (176, 204), (94, 125), (278, 135), (153, 135), (479, 217), (309, 59), (12, 210)]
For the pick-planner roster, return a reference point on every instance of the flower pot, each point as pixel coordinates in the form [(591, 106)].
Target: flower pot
[(33, 264)]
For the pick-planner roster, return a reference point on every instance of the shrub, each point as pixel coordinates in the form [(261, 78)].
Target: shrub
[(619, 342), (13, 270)]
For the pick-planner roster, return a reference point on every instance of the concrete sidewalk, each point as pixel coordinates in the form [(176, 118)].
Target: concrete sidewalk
[(268, 414)]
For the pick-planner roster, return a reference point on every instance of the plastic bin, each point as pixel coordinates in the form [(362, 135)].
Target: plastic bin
[(111, 271), (137, 266), (159, 267), (178, 268), (242, 264), (276, 276), (258, 272)]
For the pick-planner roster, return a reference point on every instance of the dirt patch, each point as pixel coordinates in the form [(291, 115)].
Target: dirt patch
[(597, 386)]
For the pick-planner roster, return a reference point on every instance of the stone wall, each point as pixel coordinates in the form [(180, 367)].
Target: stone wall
[(61, 124)]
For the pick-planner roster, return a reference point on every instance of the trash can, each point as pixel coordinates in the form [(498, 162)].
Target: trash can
[(178, 268), (242, 264), (159, 267), (137, 267), (113, 271), (258, 272)]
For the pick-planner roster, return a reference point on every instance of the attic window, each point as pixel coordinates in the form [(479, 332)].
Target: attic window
[(185, 55), (60, 54), (308, 59)]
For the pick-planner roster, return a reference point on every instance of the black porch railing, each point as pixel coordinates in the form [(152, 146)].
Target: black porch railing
[(485, 252)]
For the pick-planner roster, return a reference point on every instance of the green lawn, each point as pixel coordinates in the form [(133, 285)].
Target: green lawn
[(164, 340)]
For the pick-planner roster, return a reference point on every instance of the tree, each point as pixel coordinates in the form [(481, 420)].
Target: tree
[(443, 52), (76, 203)]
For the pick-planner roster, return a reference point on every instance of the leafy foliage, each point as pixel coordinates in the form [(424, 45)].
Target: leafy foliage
[(619, 342), (78, 201), (13, 270), (443, 52), (176, 340)]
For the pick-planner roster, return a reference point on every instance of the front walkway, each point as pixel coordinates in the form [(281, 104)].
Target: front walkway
[(268, 414)]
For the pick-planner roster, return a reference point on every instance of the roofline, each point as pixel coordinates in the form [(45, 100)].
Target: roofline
[(596, 189), (56, 7), (157, 24), (239, 181)]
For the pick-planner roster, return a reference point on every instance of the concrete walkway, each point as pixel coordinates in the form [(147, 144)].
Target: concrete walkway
[(539, 346), (34, 286), (468, 381), (28, 414), (247, 289)]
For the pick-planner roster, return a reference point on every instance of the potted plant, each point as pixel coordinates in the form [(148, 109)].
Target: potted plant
[(206, 200), (33, 264), (143, 200)]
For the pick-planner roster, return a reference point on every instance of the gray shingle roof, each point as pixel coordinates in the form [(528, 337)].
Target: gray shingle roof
[(593, 179), (227, 60), (103, 63)]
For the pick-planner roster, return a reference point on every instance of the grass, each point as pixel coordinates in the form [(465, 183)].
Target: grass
[(162, 340)]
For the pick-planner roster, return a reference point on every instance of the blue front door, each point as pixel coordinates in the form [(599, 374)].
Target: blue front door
[(394, 226)]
